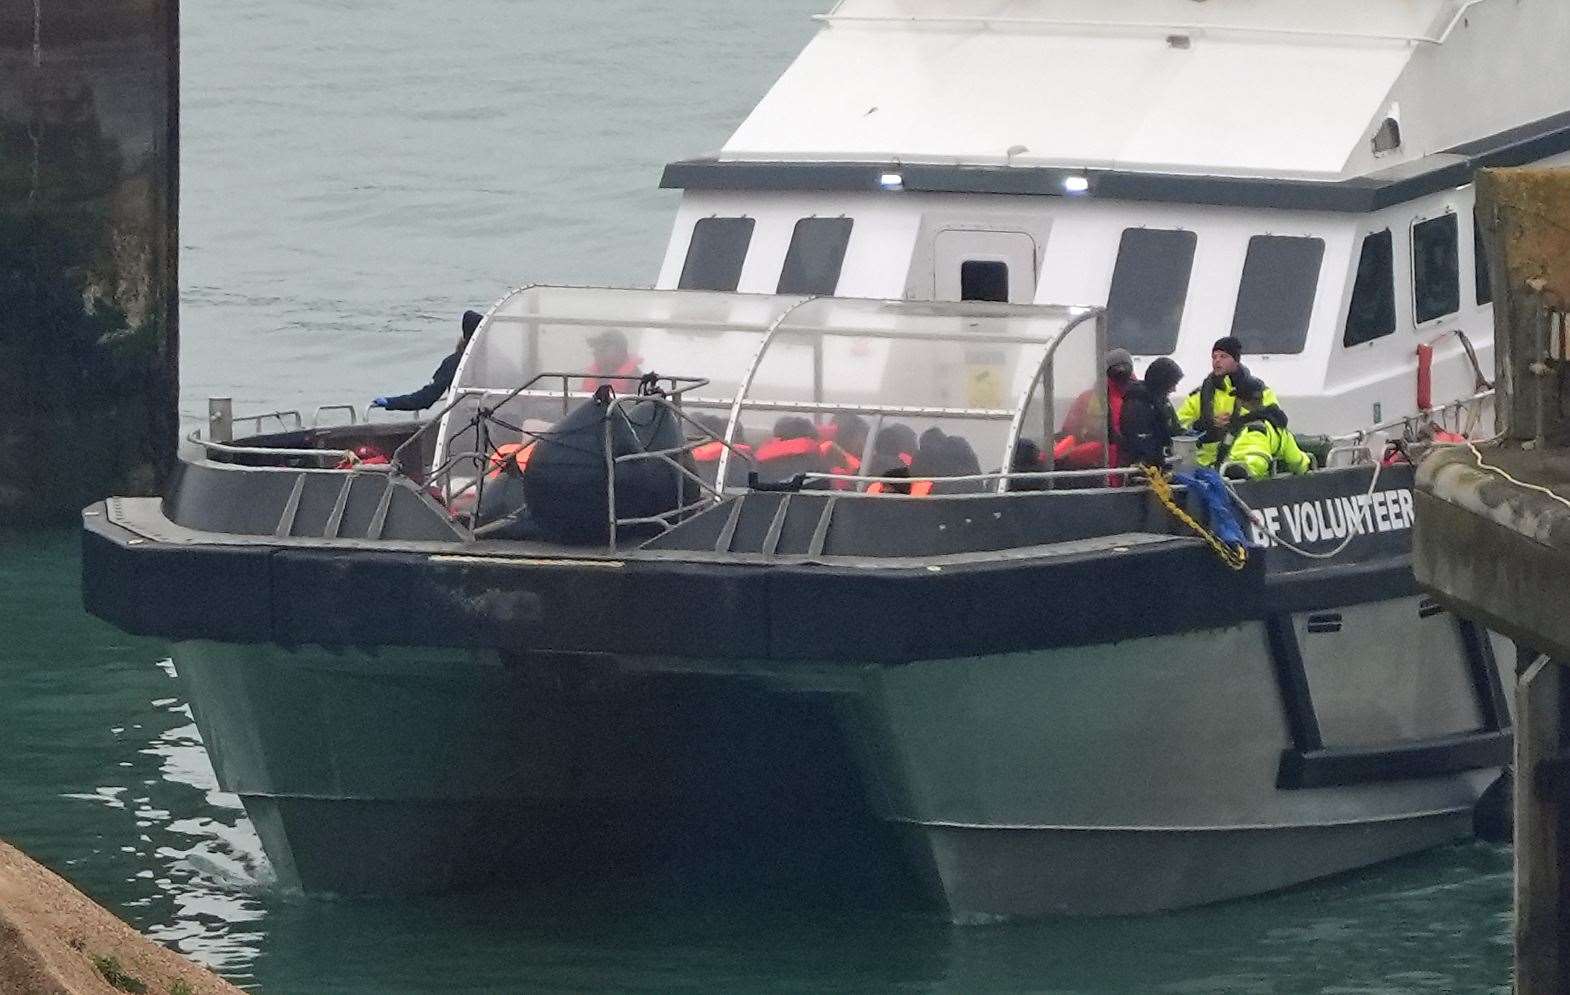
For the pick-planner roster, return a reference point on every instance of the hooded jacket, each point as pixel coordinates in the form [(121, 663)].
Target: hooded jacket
[(1258, 441), (1217, 395)]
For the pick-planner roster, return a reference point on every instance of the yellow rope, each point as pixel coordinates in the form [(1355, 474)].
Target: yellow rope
[(1235, 557)]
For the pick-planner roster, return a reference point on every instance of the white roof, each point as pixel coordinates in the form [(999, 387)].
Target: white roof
[(1291, 88)]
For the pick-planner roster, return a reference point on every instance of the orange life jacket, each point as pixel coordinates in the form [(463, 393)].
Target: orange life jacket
[(786, 448), (710, 452), (622, 379), (513, 452)]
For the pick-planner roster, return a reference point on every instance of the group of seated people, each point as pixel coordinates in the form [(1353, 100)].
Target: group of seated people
[(1239, 424), (839, 447)]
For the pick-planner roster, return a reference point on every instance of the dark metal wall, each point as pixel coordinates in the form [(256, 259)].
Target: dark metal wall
[(89, 181)]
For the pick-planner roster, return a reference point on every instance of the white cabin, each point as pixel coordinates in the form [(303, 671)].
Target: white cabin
[(1295, 172)]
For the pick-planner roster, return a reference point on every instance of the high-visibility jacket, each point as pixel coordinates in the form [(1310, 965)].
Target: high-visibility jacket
[(1216, 396), (1258, 441)]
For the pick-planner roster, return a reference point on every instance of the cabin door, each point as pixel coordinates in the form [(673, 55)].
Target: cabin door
[(976, 265)]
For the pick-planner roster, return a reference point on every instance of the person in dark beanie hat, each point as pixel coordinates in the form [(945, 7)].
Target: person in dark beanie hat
[(440, 380), (1209, 408)]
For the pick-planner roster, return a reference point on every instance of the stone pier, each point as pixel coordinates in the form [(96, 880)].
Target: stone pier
[(1492, 540), (89, 112)]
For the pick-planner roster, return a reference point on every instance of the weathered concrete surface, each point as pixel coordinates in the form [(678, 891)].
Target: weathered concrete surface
[(1523, 214), (88, 252), (1494, 551), (1492, 540), (55, 941)]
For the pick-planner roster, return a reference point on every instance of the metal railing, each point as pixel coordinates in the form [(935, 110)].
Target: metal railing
[(459, 476), (1176, 26)]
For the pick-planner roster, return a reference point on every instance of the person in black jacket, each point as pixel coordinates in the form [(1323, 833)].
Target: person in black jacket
[(440, 380), (1148, 421)]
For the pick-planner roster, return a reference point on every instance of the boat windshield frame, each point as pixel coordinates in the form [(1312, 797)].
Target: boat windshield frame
[(773, 318)]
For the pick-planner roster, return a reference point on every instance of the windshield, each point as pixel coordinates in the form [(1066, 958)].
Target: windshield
[(874, 378)]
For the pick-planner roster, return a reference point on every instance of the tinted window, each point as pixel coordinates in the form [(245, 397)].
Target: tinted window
[(1373, 311), (983, 280), (1276, 298), (1436, 268), (1485, 289), (1149, 288), (817, 251), (715, 254)]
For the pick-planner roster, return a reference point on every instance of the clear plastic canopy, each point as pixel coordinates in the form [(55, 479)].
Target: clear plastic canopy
[(981, 371)]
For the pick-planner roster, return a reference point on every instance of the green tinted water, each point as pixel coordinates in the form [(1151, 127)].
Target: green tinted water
[(102, 777)]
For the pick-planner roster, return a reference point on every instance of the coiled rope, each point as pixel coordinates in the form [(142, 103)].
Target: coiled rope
[(1235, 557)]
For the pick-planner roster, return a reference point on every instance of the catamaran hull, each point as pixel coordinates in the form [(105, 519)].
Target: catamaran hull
[(1139, 776)]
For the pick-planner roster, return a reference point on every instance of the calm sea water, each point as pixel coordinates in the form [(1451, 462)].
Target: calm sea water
[(356, 174)]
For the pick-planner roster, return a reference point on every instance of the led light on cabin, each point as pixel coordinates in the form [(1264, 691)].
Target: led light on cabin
[(1076, 184), (891, 181)]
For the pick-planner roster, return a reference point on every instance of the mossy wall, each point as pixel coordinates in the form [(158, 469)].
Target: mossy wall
[(1524, 215), (89, 344)]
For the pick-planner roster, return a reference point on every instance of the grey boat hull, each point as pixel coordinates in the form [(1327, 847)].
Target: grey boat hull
[(1132, 777)]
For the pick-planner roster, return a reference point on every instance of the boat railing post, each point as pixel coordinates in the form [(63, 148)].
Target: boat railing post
[(610, 475), (220, 419)]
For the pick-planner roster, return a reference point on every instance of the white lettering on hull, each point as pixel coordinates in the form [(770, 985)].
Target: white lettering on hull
[(1333, 519)]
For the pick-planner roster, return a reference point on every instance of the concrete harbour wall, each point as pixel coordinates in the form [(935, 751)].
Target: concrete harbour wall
[(89, 344)]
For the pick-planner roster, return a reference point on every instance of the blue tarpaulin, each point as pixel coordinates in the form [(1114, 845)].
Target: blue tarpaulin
[(1220, 515)]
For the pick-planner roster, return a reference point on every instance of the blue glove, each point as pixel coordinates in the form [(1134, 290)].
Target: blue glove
[(380, 402)]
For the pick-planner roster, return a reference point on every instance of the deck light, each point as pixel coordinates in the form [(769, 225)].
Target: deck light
[(1076, 184), (891, 181)]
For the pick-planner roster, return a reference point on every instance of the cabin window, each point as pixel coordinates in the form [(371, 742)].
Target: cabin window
[(715, 254), (1485, 288), (1149, 289), (1436, 268), (815, 256), (1276, 297), (984, 280), (1373, 311)]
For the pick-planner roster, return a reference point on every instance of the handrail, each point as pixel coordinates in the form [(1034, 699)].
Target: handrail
[(316, 419), (1411, 420), (1156, 27), (745, 387), (678, 387), (1044, 377)]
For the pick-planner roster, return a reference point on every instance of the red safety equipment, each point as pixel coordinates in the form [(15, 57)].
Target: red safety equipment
[(786, 448), (710, 452), (515, 453), (363, 456), (622, 379), (1425, 377)]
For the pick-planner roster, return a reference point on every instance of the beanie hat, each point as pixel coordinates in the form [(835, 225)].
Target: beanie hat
[(1118, 357), (1163, 375), (471, 321), (1230, 345)]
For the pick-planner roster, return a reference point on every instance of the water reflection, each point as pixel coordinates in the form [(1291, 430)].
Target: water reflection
[(201, 870)]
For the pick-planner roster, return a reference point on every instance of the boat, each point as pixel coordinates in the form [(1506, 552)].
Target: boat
[(775, 589)]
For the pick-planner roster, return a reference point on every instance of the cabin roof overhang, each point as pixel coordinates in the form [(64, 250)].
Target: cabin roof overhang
[(1357, 195)]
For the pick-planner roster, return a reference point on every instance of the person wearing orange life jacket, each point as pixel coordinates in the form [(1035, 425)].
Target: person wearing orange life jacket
[(794, 448), (1089, 437), (707, 455), (842, 441), (613, 363), (893, 451)]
